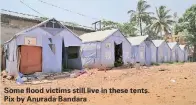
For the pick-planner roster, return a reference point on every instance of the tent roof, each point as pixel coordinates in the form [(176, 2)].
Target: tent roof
[(38, 25), (137, 40), (157, 43), (97, 36), (172, 44)]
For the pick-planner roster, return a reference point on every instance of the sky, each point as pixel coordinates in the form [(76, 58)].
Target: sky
[(114, 10)]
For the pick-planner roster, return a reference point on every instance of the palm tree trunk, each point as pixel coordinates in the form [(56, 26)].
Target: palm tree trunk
[(141, 26)]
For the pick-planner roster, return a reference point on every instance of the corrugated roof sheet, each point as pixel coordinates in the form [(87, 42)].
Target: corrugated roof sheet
[(97, 36), (21, 15), (172, 44), (38, 18), (137, 40), (157, 43)]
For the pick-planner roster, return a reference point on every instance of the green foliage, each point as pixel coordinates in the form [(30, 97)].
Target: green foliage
[(169, 62), (174, 62), (109, 25), (43, 18), (155, 64), (128, 29), (140, 15), (152, 34), (187, 24), (163, 21), (118, 63)]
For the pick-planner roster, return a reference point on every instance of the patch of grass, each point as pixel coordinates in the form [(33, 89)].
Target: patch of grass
[(169, 62), (179, 62), (174, 62), (118, 63), (155, 64)]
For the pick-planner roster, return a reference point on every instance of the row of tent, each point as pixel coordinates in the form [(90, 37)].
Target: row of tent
[(52, 47), (102, 48)]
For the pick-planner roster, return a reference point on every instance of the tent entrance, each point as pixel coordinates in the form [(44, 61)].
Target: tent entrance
[(118, 55), (30, 59), (70, 56)]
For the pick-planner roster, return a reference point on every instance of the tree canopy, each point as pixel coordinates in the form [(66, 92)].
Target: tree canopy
[(163, 21), (140, 15)]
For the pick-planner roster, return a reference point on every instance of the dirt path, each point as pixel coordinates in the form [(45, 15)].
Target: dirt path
[(173, 84)]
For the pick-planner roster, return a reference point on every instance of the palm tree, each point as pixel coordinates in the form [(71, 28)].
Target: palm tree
[(140, 15), (163, 21)]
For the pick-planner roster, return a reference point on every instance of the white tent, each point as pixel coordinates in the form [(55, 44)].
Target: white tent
[(104, 48), (174, 51), (184, 53), (162, 51), (142, 50)]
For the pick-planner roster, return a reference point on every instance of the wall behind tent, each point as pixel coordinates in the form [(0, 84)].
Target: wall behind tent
[(11, 24), (107, 49), (91, 54)]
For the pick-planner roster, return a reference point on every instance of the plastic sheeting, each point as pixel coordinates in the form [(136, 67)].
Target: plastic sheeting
[(89, 50), (90, 53)]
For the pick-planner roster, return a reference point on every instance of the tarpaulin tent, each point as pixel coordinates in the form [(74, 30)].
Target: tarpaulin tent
[(174, 51), (142, 50), (183, 53), (39, 48), (163, 51), (104, 48)]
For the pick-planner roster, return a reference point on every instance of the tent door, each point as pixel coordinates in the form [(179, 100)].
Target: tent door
[(118, 54), (31, 59)]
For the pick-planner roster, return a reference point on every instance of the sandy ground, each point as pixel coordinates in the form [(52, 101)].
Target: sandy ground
[(176, 85)]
